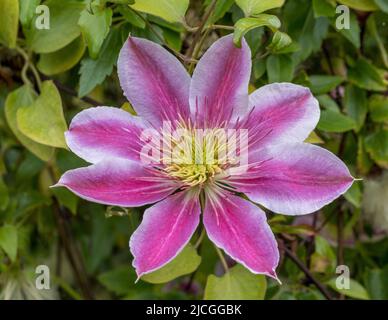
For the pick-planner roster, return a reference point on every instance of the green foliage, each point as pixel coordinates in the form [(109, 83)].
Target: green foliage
[(9, 17), (355, 290), (9, 240), (244, 25), (169, 10), (43, 121), (333, 121), (20, 98), (62, 60), (364, 5), (94, 72), (47, 76), (255, 7), (237, 284), (280, 68), (63, 27), (185, 263), (95, 27)]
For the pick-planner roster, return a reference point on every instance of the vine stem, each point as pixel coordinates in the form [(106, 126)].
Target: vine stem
[(197, 34), (200, 238), (29, 64), (161, 39), (222, 259), (307, 273), (71, 249)]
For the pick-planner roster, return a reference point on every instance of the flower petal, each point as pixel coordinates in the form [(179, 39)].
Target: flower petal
[(154, 81), (280, 112), (118, 182), (99, 133), (166, 228), (294, 178), (240, 228), (219, 87)]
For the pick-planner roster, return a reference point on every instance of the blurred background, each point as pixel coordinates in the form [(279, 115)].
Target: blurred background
[(59, 57)]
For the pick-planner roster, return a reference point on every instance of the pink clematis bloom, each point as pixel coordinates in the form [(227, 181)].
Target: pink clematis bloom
[(283, 173)]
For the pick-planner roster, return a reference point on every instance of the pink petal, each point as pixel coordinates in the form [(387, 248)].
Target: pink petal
[(219, 87), (166, 228), (240, 228), (118, 182), (154, 81), (280, 112), (96, 134), (294, 178)]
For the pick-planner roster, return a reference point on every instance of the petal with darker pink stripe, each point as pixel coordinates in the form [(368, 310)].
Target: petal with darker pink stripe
[(293, 178), (100, 133), (280, 112), (118, 182), (154, 81), (166, 228), (240, 228), (219, 87)]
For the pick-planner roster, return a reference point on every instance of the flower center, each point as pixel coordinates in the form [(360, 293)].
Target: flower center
[(193, 174), (197, 155)]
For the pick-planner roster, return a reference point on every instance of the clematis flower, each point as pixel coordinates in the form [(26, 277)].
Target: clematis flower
[(283, 174)]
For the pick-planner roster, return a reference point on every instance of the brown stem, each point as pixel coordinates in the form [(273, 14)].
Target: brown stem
[(311, 241), (66, 240), (197, 35), (307, 273), (71, 92)]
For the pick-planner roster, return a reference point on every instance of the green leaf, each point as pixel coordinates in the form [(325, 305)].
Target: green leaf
[(314, 138), (9, 240), (43, 121), (131, 17), (376, 282), (280, 68), (4, 195), (378, 107), (186, 262), (21, 97), (95, 28), (27, 10), (9, 17), (332, 121), (382, 4), (376, 145), (254, 7), (323, 83), (118, 280), (356, 290), (169, 10), (280, 43), (63, 30), (353, 32), (364, 163), (303, 28), (237, 284), (63, 59), (66, 199), (354, 195), (94, 72), (173, 39), (363, 5), (244, 25), (323, 259), (327, 102), (366, 76), (323, 8), (375, 26), (221, 8), (356, 104)]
